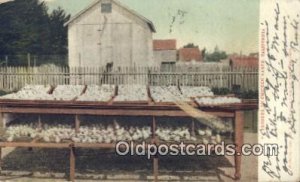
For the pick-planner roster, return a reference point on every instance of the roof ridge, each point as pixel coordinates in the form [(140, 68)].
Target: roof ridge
[(150, 23)]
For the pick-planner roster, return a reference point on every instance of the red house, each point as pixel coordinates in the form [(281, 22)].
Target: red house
[(251, 61), (190, 54)]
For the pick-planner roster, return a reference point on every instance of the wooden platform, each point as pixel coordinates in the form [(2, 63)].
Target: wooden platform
[(39, 108)]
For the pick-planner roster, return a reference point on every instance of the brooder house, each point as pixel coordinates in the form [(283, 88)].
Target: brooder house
[(165, 53), (107, 33), (190, 55), (244, 61)]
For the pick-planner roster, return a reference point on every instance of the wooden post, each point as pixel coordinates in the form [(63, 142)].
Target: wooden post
[(1, 129), (193, 128), (154, 130), (40, 126), (239, 140), (6, 61), (155, 158), (28, 59), (0, 160), (34, 61), (77, 123), (72, 163), (155, 168), (243, 81)]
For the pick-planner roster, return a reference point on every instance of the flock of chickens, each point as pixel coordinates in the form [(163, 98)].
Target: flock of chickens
[(67, 92), (132, 93), (217, 100), (31, 92), (202, 95), (98, 93), (167, 94), (99, 133)]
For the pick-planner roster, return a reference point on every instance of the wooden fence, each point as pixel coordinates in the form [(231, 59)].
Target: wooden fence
[(14, 78)]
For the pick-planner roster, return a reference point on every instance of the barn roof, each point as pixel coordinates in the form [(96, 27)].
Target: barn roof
[(169, 44), (150, 23)]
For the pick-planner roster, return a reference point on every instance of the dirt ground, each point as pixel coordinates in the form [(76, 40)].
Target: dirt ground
[(52, 165)]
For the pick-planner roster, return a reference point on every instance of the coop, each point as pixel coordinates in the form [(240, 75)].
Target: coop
[(98, 116)]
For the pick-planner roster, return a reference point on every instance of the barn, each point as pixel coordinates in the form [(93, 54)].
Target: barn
[(107, 33)]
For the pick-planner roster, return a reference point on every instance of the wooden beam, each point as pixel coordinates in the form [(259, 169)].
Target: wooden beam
[(248, 104), (72, 164), (155, 168), (34, 145), (155, 158), (2, 123), (0, 160), (40, 125), (95, 145), (193, 128), (109, 112), (154, 130), (77, 123)]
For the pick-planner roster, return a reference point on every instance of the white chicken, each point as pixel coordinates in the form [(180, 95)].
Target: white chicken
[(205, 141), (10, 138), (201, 132), (218, 138), (208, 132)]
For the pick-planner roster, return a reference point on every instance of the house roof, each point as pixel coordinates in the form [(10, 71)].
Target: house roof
[(244, 61), (189, 54), (150, 23), (169, 44)]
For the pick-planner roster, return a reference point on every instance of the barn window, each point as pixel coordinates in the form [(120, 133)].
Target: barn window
[(106, 8)]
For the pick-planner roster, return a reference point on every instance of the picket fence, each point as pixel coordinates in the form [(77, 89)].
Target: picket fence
[(14, 78)]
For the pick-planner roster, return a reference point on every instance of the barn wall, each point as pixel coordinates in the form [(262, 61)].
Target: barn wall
[(96, 39)]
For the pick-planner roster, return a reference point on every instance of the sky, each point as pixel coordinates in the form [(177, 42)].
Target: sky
[(231, 25)]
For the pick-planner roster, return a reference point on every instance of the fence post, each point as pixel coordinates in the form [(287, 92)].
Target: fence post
[(34, 61), (28, 59), (243, 79), (149, 77), (6, 61)]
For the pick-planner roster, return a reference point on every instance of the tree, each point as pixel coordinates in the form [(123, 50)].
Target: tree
[(26, 27), (215, 56), (203, 53), (190, 45), (58, 32)]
